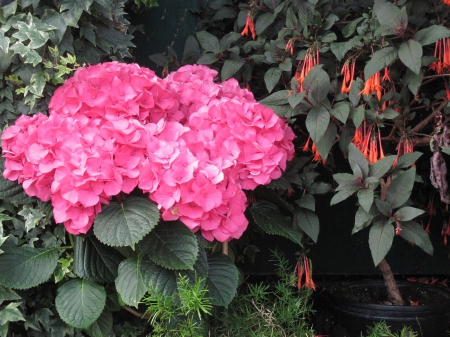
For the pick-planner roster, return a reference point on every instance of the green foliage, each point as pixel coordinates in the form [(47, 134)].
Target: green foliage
[(382, 329), (268, 310)]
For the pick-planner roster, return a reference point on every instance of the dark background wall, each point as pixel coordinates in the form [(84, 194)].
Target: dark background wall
[(337, 252)]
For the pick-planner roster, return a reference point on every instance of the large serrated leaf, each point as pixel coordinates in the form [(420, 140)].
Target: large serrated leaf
[(26, 267), (308, 222), (200, 269), (102, 326), (171, 245), (80, 302), (400, 188), (126, 223), (268, 217), (158, 279), (95, 261), (380, 240), (222, 280), (130, 280), (410, 53), (414, 233)]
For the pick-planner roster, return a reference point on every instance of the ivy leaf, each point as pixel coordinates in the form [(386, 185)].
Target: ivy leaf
[(55, 19), (38, 81), (130, 279), (381, 236), (222, 280), (400, 188), (268, 217), (271, 78), (102, 326), (4, 42), (26, 267), (414, 233), (95, 261), (231, 67), (410, 53), (317, 122), (126, 223), (379, 168), (408, 213), (10, 313), (380, 59), (308, 222), (172, 245), (80, 302), (7, 294), (431, 34), (72, 9), (208, 42)]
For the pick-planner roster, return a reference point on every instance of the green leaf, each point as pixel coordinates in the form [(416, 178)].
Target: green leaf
[(308, 222), (324, 145), (317, 122), (410, 53), (200, 268), (95, 261), (381, 236), (431, 34), (126, 223), (222, 280), (10, 313), (277, 98), (362, 220), (38, 81), (380, 59), (208, 58), (365, 199), (4, 330), (172, 245), (413, 81), (231, 67), (53, 18), (208, 41), (408, 213), (379, 168), (268, 217), (414, 233), (26, 267), (72, 9), (319, 187), (316, 85), (7, 294), (307, 201), (271, 78), (263, 21), (341, 111), (102, 326), (80, 302), (286, 65), (350, 28), (4, 42), (357, 115), (407, 159), (357, 160), (445, 150), (294, 99), (130, 280), (392, 17), (160, 280), (384, 207), (341, 196), (400, 188), (355, 92)]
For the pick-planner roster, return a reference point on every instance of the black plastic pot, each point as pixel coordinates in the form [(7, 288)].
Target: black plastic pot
[(356, 313)]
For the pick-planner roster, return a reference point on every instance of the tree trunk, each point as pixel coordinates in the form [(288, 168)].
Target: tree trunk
[(394, 295)]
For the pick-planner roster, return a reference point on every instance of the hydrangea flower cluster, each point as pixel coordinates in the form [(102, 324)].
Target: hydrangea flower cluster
[(192, 144)]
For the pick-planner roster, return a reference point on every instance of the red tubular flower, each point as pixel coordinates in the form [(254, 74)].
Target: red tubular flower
[(372, 85), (442, 53), (249, 25), (349, 74), (304, 66)]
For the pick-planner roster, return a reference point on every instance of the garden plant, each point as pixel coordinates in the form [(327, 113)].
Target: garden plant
[(120, 186)]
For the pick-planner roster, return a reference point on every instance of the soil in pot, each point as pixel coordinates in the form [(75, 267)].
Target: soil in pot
[(363, 303)]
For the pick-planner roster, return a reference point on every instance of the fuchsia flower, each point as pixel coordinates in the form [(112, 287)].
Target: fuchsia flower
[(191, 143)]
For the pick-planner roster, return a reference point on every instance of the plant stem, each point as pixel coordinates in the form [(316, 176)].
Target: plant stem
[(392, 289)]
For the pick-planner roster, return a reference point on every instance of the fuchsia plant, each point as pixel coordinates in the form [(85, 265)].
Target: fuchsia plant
[(192, 144)]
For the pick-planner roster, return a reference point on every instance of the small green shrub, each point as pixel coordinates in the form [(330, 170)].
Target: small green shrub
[(381, 329)]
